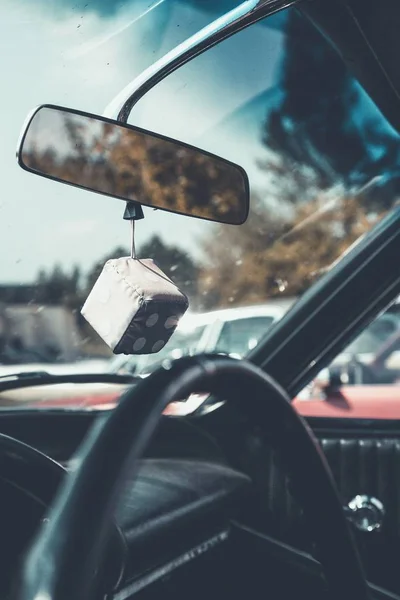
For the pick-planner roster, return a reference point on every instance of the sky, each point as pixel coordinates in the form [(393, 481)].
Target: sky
[(80, 55)]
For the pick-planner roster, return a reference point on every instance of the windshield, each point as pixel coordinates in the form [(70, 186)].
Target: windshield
[(275, 98)]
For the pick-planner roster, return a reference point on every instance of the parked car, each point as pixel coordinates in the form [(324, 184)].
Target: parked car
[(358, 375), (364, 387), (233, 331)]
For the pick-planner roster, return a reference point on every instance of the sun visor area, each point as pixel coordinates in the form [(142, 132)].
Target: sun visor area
[(354, 28)]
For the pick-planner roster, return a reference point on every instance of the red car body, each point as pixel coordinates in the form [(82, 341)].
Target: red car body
[(367, 401), (352, 401)]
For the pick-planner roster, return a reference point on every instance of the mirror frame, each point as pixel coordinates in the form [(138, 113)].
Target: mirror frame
[(72, 111)]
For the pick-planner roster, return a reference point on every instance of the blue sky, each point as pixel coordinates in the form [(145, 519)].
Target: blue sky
[(78, 55)]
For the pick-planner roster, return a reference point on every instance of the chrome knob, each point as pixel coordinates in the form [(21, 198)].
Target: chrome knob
[(366, 513)]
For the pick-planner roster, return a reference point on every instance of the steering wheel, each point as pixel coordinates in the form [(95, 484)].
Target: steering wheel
[(71, 545)]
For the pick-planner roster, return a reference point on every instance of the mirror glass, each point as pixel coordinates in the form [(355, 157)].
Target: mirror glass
[(132, 164)]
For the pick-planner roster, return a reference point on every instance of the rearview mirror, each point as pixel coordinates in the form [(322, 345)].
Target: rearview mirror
[(129, 163)]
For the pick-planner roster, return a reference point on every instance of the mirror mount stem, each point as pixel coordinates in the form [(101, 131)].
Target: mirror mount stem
[(133, 212)]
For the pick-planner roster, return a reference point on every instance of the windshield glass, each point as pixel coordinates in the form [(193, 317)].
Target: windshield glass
[(275, 98)]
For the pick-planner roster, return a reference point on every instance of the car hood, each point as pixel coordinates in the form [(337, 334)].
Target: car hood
[(83, 366), (64, 395)]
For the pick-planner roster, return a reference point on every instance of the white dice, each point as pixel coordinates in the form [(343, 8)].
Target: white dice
[(134, 306)]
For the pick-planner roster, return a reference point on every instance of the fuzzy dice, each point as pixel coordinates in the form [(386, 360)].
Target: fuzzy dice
[(134, 306)]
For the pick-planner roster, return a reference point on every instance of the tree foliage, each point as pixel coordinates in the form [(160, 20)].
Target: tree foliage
[(177, 264), (313, 123), (57, 286), (97, 268), (279, 257), (321, 152)]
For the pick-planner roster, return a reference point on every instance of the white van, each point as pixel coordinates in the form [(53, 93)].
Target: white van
[(235, 331)]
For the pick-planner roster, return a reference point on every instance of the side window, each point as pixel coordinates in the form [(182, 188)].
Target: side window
[(375, 335), (242, 335), (372, 359)]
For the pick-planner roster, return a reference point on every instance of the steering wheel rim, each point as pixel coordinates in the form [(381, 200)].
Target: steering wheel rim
[(74, 539)]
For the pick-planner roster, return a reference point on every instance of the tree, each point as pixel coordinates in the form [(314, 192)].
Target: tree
[(97, 268), (58, 287), (325, 132), (322, 146), (269, 257), (72, 289), (176, 264), (312, 125)]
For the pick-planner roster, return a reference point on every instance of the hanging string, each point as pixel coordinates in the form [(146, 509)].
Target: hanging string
[(133, 248)]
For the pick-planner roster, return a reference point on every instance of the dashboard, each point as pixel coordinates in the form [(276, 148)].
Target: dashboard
[(205, 491), (154, 509)]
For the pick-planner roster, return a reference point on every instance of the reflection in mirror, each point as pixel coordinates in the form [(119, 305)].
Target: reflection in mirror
[(132, 164)]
